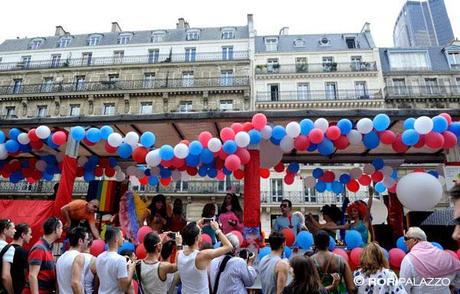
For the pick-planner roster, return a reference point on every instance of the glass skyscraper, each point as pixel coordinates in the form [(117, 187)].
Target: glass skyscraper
[(423, 24)]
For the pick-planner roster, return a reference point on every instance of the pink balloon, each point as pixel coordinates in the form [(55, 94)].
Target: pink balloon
[(316, 136), (259, 120), (447, 117), (458, 253), (238, 235), (59, 138), (204, 138), (396, 257), (232, 162), (97, 247), (355, 257), (341, 252), (237, 127), (135, 286), (333, 133), (227, 134), (205, 238), (301, 143), (244, 155), (220, 175), (142, 232)]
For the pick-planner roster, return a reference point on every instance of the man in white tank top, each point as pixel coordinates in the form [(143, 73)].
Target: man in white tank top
[(69, 267), (192, 264)]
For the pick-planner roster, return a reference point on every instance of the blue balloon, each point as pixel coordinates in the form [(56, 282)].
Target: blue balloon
[(394, 174), (105, 132), (306, 125), (217, 245), (385, 252), (153, 181), (2, 137), (14, 133), (331, 243), (166, 152), (381, 122), (437, 245), (77, 133), (401, 244), (440, 124), (278, 132), (195, 148), (12, 146), (378, 163), (380, 187), (409, 123), (230, 147), (147, 172), (254, 137), (226, 171), (312, 147), (337, 187), (293, 167), (148, 139), (207, 156), (317, 173), (345, 125), (25, 148), (320, 186), (212, 173), (165, 173), (50, 143), (344, 178), (455, 128), (304, 240), (287, 252), (126, 246), (371, 140), (93, 135), (192, 160), (275, 141), (264, 252), (113, 162), (326, 147), (329, 187), (88, 176), (125, 150), (353, 239), (93, 159), (48, 177), (434, 173), (410, 137), (202, 171)]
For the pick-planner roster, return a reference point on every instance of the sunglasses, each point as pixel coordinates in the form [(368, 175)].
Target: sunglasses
[(456, 221), (283, 205)]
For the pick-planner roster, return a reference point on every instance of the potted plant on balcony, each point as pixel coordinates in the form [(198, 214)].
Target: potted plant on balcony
[(261, 68), (301, 67)]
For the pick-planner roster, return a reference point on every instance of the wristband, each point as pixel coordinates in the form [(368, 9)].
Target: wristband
[(218, 231)]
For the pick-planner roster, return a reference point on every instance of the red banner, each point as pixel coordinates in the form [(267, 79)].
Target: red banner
[(252, 191), (64, 193)]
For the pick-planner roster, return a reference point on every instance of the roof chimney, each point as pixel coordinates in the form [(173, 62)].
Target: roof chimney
[(116, 27), (284, 31), (60, 31), (182, 24), (250, 22), (366, 28)]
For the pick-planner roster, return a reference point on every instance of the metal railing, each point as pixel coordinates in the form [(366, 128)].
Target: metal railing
[(315, 95), (124, 60), (275, 68), (422, 91), (299, 197), (41, 187), (146, 84)]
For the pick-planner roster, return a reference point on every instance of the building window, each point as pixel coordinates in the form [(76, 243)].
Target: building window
[(331, 90), (273, 89), (124, 39), (276, 186), (193, 35), (328, 64), (55, 60), (35, 44), (301, 64), (86, 58), (227, 53), (149, 80), (118, 56), (187, 79), (272, 65), (271, 44), (94, 40), (158, 36), (310, 194), (190, 54), (154, 55), (228, 34), (17, 86), (454, 60), (146, 108), (10, 112), (432, 86), (185, 106), (226, 105), (357, 63), (226, 78), (79, 83), (324, 42), (351, 42), (299, 43), (109, 109), (74, 109), (408, 60), (303, 91), (112, 80), (458, 81), (64, 42), (42, 111), (47, 85), (399, 87), (361, 90), (25, 62)]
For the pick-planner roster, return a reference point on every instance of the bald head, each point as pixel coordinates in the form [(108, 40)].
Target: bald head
[(93, 205)]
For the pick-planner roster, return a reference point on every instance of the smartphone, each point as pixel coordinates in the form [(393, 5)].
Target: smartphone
[(172, 236), (208, 219)]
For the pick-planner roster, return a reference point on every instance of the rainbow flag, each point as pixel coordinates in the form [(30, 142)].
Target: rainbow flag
[(105, 192)]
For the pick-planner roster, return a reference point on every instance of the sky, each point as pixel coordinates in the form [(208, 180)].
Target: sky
[(29, 18)]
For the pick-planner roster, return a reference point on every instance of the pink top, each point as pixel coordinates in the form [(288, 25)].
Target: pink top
[(224, 219)]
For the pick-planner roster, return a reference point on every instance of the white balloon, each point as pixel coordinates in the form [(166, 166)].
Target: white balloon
[(132, 138), (310, 182), (379, 211), (388, 181), (356, 172), (23, 139), (354, 137), (387, 170), (181, 150), (82, 160), (270, 154), (120, 176), (423, 125), (43, 132), (134, 181), (3, 152), (287, 144), (322, 124), (41, 165), (266, 132), (293, 129), (115, 139), (131, 170), (369, 169), (419, 191), (214, 145), (242, 139), (117, 168), (153, 158), (139, 173), (365, 125)]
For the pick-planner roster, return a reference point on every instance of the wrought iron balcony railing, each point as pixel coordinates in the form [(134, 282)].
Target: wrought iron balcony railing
[(275, 68), (153, 58), (146, 84), (300, 198), (422, 91), (317, 95), (41, 187)]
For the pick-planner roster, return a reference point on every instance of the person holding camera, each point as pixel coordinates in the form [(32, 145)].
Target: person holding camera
[(232, 274)]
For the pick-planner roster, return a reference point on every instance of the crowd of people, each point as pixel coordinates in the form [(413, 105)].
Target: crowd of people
[(179, 262)]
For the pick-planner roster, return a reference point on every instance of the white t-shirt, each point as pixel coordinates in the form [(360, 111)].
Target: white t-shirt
[(64, 271), (111, 267), (9, 254)]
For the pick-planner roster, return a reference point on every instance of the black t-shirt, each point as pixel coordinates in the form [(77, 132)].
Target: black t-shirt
[(19, 268)]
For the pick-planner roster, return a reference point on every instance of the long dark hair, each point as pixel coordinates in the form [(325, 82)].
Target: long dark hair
[(153, 210), (207, 209), (236, 207), (306, 277), (178, 207)]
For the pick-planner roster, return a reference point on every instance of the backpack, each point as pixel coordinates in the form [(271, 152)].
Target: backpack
[(4, 250), (326, 277)]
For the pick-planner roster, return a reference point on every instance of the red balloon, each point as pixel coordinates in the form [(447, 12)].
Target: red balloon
[(27, 172), (220, 175), (97, 247), (377, 176), (144, 181), (458, 253), (186, 142), (144, 230), (279, 167), (109, 172), (37, 145), (205, 238), (232, 162), (227, 134), (421, 142), (328, 176), (238, 174), (301, 143), (32, 136), (204, 138), (178, 162), (80, 171), (247, 126), (98, 171), (222, 154), (237, 127), (333, 133), (166, 163), (140, 251), (434, 140), (450, 140), (355, 257), (398, 146), (87, 142), (353, 186), (244, 155), (396, 257), (259, 120), (341, 252), (447, 117), (104, 162), (139, 154), (289, 179), (165, 181), (36, 175), (219, 163), (316, 136), (392, 189), (59, 138), (192, 170), (264, 173), (387, 137), (342, 143), (289, 236), (110, 149), (364, 180)]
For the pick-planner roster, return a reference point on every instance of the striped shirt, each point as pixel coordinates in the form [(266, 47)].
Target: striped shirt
[(41, 254)]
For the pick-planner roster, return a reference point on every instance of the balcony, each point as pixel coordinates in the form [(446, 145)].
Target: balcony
[(42, 188), (300, 68), (124, 60), (317, 95), (422, 92), (125, 85), (300, 198)]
